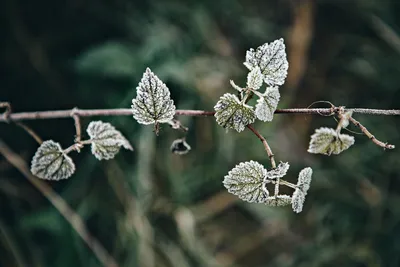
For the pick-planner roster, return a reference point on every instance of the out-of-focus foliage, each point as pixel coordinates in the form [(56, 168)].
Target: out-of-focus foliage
[(150, 207)]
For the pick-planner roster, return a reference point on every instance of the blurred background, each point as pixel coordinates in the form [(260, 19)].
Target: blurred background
[(153, 208)]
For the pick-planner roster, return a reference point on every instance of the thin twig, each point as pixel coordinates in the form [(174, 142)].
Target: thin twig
[(56, 114), (371, 136), (77, 123), (30, 132), (266, 146), (59, 203)]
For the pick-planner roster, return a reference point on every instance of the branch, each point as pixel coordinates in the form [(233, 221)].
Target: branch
[(56, 114), (266, 146), (59, 203)]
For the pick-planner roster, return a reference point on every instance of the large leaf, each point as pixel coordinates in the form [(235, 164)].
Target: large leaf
[(230, 113), (272, 61), (106, 140), (267, 104), (326, 141), (247, 180), (153, 103), (51, 163)]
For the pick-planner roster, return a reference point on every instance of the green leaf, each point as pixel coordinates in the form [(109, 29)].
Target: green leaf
[(51, 163), (232, 114), (254, 79), (267, 104)]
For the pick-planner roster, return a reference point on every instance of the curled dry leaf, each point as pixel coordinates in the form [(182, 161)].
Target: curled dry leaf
[(326, 141), (106, 140), (51, 163), (153, 103)]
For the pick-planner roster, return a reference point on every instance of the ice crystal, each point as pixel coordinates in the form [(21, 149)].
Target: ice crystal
[(272, 61), (51, 163), (153, 103), (231, 113), (247, 181), (106, 140), (327, 141), (266, 105)]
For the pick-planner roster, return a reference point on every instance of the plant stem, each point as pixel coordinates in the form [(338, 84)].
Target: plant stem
[(266, 146), (371, 136)]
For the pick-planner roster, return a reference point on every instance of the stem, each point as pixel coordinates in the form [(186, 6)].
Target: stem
[(266, 146), (288, 184), (371, 136), (77, 123)]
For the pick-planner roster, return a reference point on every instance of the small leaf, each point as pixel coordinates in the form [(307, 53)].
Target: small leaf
[(153, 103), (266, 105), (304, 179), (298, 199), (180, 147), (326, 141), (272, 61), (230, 113), (255, 78), (279, 171), (51, 163), (106, 140), (280, 200), (247, 181)]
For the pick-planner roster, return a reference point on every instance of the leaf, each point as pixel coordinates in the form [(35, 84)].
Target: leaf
[(255, 79), (298, 199), (247, 181), (280, 200), (153, 103), (180, 147), (279, 171), (326, 141), (51, 163), (272, 61), (267, 103), (304, 179), (106, 140), (230, 113)]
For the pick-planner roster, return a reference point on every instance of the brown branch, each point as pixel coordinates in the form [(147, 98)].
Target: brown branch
[(56, 114), (59, 203), (77, 123), (371, 136), (30, 132), (266, 146)]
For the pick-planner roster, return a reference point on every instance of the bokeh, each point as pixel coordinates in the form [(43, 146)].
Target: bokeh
[(152, 208)]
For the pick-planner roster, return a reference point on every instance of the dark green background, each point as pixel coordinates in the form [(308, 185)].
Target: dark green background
[(153, 208)]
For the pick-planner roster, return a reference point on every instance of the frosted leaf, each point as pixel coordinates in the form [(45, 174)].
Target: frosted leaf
[(247, 181), (272, 61), (304, 179), (326, 141), (280, 200), (254, 79), (235, 86), (279, 171), (266, 105), (298, 199), (51, 163), (106, 140), (232, 114), (153, 103), (180, 147)]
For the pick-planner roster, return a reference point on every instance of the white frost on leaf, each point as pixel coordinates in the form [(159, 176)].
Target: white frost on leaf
[(272, 61), (232, 114), (279, 171), (106, 140), (247, 181), (153, 103), (51, 163), (280, 200), (326, 141), (254, 79), (267, 104), (303, 184)]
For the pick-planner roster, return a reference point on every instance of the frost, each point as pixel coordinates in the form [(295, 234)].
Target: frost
[(303, 184), (247, 181), (235, 86), (279, 171), (267, 103), (153, 103), (254, 79), (180, 147), (230, 113), (344, 121), (272, 61), (280, 200), (51, 163), (326, 141), (106, 140)]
